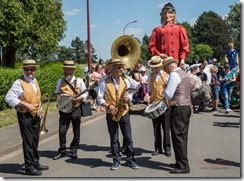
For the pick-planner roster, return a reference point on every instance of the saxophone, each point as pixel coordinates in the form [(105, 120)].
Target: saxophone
[(121, 106)]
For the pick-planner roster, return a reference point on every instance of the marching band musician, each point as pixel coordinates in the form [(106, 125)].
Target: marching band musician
[(70, 85), (25, 96), (169, 39), (178, 90), (112, 95), (157, 82)]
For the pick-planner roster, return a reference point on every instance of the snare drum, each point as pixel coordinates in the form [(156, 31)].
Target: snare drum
[(155, 109)]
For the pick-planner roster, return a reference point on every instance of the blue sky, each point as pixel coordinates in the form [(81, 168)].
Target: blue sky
[(108, 18)]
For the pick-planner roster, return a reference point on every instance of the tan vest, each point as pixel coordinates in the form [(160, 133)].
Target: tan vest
[(112, 96), (30, 96), (157, 88), (65, 89)]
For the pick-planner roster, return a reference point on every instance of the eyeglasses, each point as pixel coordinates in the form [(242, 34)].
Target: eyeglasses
[(32, 70), (118, 68)]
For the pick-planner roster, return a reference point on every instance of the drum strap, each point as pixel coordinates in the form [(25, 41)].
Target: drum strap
[(72, 88)]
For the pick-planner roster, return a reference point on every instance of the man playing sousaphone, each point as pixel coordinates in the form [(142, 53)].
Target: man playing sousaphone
[(112, 94), (157, 83), (69, 86)]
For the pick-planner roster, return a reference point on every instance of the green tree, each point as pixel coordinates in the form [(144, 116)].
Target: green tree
[(212, 29), (190, 56), (77, 46), (145, 55), (203, 51), (32, 26), (234, 21)]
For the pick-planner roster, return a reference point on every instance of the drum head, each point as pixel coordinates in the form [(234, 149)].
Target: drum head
[(153, 106), (64, 104), (138, 107)]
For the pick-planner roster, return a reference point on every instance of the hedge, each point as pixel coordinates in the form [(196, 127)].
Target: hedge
[(47, 75)]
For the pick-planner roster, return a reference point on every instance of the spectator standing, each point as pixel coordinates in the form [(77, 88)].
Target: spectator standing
[(227, 79), (231, 56)]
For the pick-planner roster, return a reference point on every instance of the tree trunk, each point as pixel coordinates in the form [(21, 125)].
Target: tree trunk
[(9, 58)]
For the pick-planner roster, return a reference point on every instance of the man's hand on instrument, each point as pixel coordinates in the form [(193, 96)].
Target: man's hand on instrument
[(113, 109)]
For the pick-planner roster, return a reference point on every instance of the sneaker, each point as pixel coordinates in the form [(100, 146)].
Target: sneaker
[(132, 164), (94, 107), (115, 165), (227, 111), (230, 110), (213, 110)]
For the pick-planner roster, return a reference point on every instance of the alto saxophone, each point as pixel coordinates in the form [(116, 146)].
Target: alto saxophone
[(121, 106), (43, 128)]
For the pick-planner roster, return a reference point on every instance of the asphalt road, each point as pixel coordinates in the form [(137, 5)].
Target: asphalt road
[(213, 151)]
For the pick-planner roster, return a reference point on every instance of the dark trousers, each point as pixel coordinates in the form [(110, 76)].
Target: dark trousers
[(164, 122), (29, 129), (64, 122), (179, 123), (113, 129)]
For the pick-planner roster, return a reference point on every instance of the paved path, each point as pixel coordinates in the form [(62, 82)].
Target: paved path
[(214, 150)]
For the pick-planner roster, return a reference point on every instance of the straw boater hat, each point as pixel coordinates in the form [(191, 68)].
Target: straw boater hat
[(29, 63), (168, 61), (112, 62), (155, 61), (69, 64)]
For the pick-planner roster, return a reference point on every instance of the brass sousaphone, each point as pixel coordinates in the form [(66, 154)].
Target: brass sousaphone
[(127, 49)]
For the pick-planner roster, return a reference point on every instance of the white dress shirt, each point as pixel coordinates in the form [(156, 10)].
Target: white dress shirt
[(16, 92), (174, 81), (79, 83), (130, 83)]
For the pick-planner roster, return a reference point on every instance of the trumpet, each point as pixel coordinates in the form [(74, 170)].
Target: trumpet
[(43, 129)]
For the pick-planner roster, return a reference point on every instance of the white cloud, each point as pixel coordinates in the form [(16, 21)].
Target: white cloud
[(134, 31), (72, 12), (161, 5), (193, 21)]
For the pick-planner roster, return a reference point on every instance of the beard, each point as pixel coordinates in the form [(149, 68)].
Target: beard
[(67, 77)]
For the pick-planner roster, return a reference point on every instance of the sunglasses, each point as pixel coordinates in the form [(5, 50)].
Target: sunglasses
[(32, 70)]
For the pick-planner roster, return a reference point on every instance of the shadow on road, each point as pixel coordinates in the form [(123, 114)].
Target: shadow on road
[(90, 162), (147, 163), (86, 147), (220, 161), (11, 168), (227, 124)]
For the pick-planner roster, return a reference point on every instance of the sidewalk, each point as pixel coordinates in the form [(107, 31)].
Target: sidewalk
[(10, 138)]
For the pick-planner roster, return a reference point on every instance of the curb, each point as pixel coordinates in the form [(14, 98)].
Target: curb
[(14, 142)]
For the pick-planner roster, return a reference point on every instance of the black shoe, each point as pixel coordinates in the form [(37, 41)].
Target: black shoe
[(41, 167), (33, 172), (179, 171), (172, 165), (115, 165), (73, 155), (168, 153), (60, 155), (156, 152), (132, 164)]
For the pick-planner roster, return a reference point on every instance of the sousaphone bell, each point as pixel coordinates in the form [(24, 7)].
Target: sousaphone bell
[(126, 48)]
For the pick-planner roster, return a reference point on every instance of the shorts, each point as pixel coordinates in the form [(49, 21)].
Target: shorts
[(93, 94), (215, 93)]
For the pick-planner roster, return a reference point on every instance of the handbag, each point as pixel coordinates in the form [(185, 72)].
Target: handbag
[(85, 108)]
